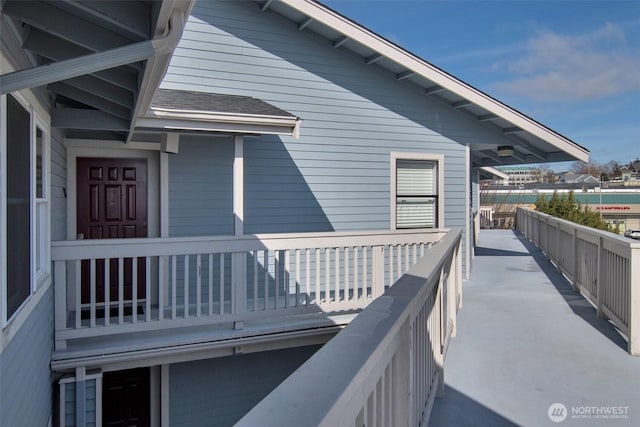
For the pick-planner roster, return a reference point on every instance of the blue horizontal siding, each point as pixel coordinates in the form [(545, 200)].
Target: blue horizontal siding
[(218, 392), (337, 175), (25, 379)]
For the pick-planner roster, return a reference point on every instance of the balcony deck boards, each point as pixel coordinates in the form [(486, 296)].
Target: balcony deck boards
[(526, 340)]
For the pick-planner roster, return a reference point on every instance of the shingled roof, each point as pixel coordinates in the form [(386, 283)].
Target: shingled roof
[(190, 101)]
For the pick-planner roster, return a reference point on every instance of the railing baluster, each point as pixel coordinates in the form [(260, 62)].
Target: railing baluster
[(327, 275), (147, 287), (185, 287), (210, 305), (298, 278), (265, 266), (121, 290), (347, 286), (255, 280), (174, 276), (365, 272), (198, 284), (92, 293), (391, 280), (307, 280), (337, 273), (222, 274), (317, 284), (78, 295), (286, 277), (276, 276), (134, 290), (107, 292), (356, 277)]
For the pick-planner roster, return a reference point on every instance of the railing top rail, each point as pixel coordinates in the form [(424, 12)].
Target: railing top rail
[(156, 246), (585, 229), (358, 349)]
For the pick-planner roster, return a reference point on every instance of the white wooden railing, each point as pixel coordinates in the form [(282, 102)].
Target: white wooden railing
[(387, 366), (198, 280), (603, 266)]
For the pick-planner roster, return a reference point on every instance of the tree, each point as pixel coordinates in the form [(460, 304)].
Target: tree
[(567, 207)]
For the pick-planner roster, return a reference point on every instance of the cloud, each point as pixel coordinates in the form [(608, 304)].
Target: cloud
[(555, 67)]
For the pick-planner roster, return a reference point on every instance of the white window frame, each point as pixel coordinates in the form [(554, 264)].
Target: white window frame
[(439, 159), (39, 277)]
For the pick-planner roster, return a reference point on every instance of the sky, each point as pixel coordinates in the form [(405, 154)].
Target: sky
[(573, 65)]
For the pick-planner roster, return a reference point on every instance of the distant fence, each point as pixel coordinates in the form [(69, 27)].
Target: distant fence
[(604, 267)]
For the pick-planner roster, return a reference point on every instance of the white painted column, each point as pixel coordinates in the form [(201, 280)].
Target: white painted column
[(467, 212), (238, 260), (238, 185)]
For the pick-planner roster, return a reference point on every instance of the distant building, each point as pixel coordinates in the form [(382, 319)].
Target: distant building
[(520, 175)]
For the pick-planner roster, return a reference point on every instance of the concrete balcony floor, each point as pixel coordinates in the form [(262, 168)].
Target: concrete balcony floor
[(525, 341)]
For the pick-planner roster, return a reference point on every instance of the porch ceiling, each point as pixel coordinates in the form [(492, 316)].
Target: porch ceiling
[(98, 59), (531, 141)]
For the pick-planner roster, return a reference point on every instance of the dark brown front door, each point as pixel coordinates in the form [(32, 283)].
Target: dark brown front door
[(112, 204), (126, 398)]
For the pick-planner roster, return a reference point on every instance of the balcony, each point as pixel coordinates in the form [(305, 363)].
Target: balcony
[(527, 338), (155, 295)]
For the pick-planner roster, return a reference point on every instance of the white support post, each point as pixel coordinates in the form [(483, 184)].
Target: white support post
[(634, 301), (60, 283), (238, 185), (238, 260)]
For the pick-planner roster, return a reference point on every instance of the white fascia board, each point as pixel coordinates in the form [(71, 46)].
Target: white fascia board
[(221, 116), (361, 35), (237, 127)]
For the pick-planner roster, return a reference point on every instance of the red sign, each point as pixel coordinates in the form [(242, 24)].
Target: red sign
[(612, 208)]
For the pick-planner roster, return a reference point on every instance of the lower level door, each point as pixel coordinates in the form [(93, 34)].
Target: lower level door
[(126, 398)]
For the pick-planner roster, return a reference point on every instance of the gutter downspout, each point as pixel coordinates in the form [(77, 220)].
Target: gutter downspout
[(91, 63)]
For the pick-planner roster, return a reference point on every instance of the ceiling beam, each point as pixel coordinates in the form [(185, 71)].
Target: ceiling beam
[(90, 99), (373, 58), (486, 117), (461, 104), (266, 5), (433, 89), (56, 49), (102, 89), (64, 25), (337, 43), (493, 156), (74, 118), (132, 18), (304, 24), (405, 75), (511, 130)]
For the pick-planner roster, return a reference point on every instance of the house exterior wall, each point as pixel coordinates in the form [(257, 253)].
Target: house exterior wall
[(337, 176), (26, 386), (58, 179), (218, 392)]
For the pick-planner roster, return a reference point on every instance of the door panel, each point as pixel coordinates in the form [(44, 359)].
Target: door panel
[(112, 204), (126, 398)]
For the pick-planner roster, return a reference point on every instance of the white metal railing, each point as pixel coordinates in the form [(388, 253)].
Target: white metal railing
[(603, 266), (106, 287), (486, 216), (387, 366)]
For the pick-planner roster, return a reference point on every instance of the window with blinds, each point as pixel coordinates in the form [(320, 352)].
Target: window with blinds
[(416, 193)]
